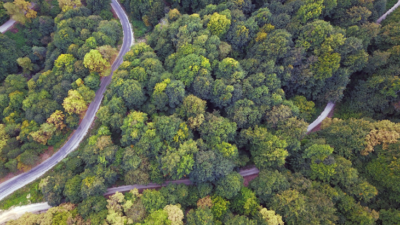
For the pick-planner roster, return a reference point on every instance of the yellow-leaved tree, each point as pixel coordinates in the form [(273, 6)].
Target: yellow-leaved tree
[(3, 136), (95, 62), (66, 5), (74, 103), (20, 10)]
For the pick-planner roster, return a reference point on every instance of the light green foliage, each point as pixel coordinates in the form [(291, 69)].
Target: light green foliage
[(132, 127), (153, 200), (220, 206), (267, 149), (218, 24), (271, 217), (245, 202), (95, 62), (310, 10), (322, 167), (307, 108)]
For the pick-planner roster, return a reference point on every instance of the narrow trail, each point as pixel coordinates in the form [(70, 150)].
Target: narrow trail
[(18, 211)]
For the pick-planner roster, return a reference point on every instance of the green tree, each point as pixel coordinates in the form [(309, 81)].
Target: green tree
[(26, 64), (229, 186), (153, 200), (266, 149), (267, 184), (322, 163), (201, 216)]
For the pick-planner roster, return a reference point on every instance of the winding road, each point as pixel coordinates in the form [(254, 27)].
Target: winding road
[(17, 182), (23, 179)]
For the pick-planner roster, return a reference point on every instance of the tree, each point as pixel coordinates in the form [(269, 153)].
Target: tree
[(306, 108), (267, 184), (266, 149), (322, 163), (129, 90), (219, 206), (271, 217), (201, 216), (291, 205), (74, 103), (95, 62), (92, 205), (72, 189), (133, 127), (107, 52), (26, 64), (310, 10), (218, 24), (153, 200), (245, 202), (44, 134), (4, 137), (66, 5), (8, 58), (93, 185), (217, 129), (192, 109), (187, 68), (229, 186), (63, 38), (57, 118), (98, 5), (244, 113)]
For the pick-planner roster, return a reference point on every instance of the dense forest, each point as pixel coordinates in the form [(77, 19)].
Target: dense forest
[(217, 86)]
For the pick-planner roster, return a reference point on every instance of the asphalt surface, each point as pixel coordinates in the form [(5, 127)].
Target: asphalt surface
[(388, 12), (18, 211), (21, 180)]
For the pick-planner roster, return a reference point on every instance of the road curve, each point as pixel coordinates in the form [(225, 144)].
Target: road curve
[(388, 12), (18, 211), (21, 180)]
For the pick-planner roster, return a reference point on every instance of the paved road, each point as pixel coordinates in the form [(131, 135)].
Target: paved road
[(6, 25), (21, 180), (322, 116), (388, 12), (17, 212)]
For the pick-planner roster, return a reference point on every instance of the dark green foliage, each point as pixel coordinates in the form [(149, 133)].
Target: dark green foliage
[(229, 186), (7, 56), (92, 206), (153, 200), (267, 184), (201, 216)]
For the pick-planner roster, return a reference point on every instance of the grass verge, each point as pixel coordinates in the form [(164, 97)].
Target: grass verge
[(19, 197)]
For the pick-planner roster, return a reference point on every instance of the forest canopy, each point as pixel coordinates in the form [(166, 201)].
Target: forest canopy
[(217, 86)]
